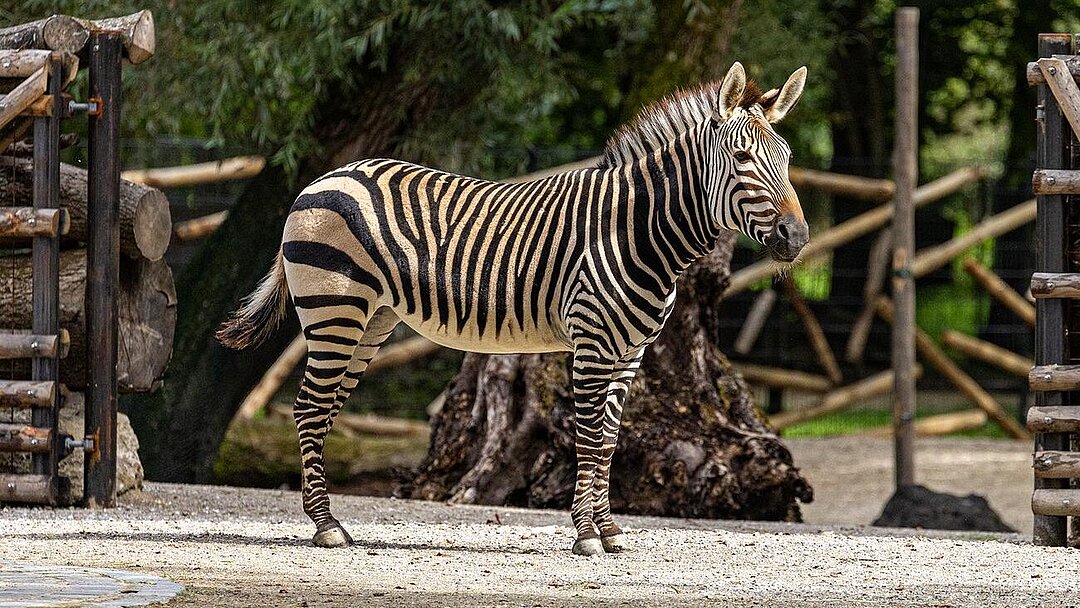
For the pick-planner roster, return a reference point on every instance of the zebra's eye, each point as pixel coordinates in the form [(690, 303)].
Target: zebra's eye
[(742, 156)]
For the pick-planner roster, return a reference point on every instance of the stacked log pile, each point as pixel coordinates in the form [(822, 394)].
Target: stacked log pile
[(146, 294)]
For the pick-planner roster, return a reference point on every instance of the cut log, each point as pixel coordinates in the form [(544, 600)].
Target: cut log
[(930, 259), (987, 352), (1054, 377), (852, 186), (145, 219), (839, 399), (821, 244), (774, 377), (136, 33), (1057, 464), (930, 353), (1035, 75), (146, 310), (20, 98), (25, 148), (26, 394), (24, 345), (1000, 290), (26, 488), (1053, 418), (1053, 501), (20, 64), (58, 33), (14, 131), (1046, 182), (814, 333), (940, 424), (880, 258), (24, 438), (28, 222), (198, 227), (755, 321), (368, 424), (1055, 285), (239, 167)]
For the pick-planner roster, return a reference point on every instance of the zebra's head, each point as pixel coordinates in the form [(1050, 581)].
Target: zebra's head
[(749, 186)]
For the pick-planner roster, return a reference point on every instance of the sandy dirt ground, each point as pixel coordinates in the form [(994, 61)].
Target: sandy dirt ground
[(242, 548)]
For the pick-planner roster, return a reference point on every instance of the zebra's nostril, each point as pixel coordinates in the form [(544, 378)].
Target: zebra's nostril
[(782, 230)]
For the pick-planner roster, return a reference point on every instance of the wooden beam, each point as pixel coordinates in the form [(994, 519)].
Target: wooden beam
[(755, 321), (1055, 181), (239, 167), (988, 353), (814, 333), (930, 259), (839, 399), (1055, 285), (1001, 291), (1035, 75), (852, 186), (26, 488), (1060, 81), (821, 244), (1053, 418), (24, 438), (22, 345), (1054, 377), (938, 424), (20, 98), (775, 377), (1058, 502), (931, 354), (21, 63), (27, 394), (1057, 464), (28, 222)]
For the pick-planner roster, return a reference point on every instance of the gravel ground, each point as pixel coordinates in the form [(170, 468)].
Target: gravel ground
[(241, 547)]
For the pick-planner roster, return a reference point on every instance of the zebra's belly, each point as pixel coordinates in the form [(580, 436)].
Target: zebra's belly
[(469, 338)]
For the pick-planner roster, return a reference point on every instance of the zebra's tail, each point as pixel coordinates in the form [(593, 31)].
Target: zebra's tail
[(260, 313)]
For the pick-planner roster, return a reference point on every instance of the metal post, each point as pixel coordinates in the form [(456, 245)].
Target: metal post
[(102, 268), (45, 257), (1050, 257), (905, 174)]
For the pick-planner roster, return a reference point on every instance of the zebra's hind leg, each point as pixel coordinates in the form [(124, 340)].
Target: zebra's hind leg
[(611, 536), (591, 377), (339, 350)]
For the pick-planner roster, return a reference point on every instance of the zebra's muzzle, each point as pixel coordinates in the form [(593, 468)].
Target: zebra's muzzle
[(787, 239)]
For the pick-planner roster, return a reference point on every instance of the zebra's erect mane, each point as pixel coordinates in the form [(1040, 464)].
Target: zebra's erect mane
[(664, 120)]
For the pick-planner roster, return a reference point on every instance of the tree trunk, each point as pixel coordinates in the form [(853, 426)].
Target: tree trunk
[(146, 311), (692, 442), (145, 220)]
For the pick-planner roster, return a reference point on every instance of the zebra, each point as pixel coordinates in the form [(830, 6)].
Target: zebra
[(585, 261)]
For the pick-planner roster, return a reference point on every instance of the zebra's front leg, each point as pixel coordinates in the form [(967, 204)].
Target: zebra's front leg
[(611, 536), (591, 377)]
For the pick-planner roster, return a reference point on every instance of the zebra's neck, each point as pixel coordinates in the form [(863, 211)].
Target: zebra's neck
[(672, 218)]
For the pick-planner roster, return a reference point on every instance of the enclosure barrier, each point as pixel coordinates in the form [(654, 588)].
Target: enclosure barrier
[(1055, 419), (37, 61)]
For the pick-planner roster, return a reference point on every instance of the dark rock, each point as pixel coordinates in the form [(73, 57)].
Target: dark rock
[(919, 507)]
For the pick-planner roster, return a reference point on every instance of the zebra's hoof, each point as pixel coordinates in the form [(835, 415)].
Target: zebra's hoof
[(616, 543), (332, 537), (588, 546)]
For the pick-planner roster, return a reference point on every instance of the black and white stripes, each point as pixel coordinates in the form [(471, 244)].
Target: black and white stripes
[(584, 261)]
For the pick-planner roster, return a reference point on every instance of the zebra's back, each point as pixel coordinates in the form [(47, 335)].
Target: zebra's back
[(468, 263)]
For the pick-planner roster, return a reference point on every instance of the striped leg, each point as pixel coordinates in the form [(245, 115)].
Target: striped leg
[(591, 377), (611, 535), (338, 351)]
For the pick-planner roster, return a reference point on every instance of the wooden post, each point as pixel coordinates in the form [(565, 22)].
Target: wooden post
[(1050, 257), (45, 253), (103, 269), (905, 174)]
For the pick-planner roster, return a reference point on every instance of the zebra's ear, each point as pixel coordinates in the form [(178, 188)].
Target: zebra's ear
[(779, 106), (731, 91)]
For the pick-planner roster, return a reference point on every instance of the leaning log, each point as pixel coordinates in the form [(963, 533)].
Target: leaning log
[(840, 399), (145, 220), (939, 424), (57, 33), (988, 353), (226, 169), (1001, 291), (146, 311)]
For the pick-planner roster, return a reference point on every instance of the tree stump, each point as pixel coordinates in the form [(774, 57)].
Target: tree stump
[(692, 442)]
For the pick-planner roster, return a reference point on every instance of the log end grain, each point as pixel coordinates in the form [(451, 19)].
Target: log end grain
[(152, 225)]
